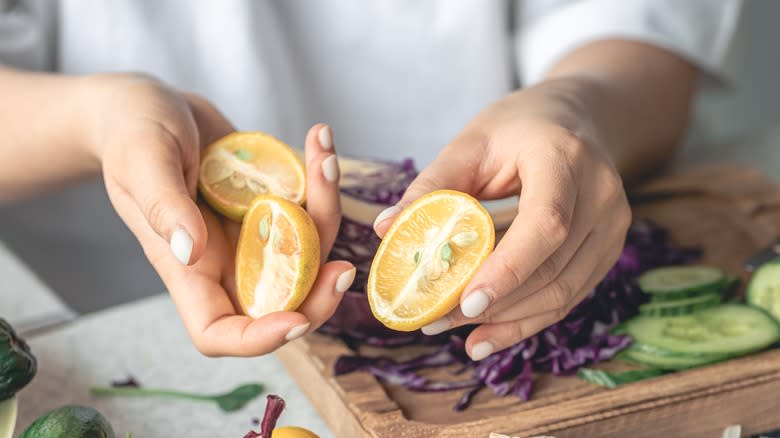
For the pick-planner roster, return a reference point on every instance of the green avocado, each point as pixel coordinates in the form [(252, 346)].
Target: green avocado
[(70, 422), (17, 364)]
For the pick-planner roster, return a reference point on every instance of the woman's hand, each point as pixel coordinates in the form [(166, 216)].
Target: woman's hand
[(148, 139), (571, 220)]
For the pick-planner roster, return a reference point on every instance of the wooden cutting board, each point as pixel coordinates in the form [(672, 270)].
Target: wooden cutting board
[(729, 211)]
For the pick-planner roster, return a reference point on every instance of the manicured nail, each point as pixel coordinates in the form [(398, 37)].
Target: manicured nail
[(296, 332), (387, 213), (481, 350), (181, 246), (345, 280), (326, 138), (475, 303), (330, 169), (436, 327)]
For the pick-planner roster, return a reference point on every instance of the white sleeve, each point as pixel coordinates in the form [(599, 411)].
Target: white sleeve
[(27, 32), (698, 30)]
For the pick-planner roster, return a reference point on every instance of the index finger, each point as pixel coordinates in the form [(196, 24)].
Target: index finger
[(542, 224), (322, 185)]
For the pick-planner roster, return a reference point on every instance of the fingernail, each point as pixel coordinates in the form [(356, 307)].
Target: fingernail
[(345, 280), (326, 138), (481, 350), (475, 303), (387, 213), (181, 246), (330, 169), (436, 327), (296, 332)]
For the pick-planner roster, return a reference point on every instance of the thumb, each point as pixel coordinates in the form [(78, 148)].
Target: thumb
[(159, 190), (165, 185), (455, 168)]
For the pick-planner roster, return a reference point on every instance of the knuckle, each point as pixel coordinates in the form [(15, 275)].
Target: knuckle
[(509, 269), (570, 146), (203, 347), (547, 271), (518, 333), (560, 314), (155, 212), (491, 315), (423, 184), (611, 182), (554, 221), (560, 295)]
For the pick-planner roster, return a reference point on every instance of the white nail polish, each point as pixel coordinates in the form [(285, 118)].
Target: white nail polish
[(436, 327), (330, 169), (326, 138), (296, 332), (387, 213), (475, 303), (181, 246), (345, 280), (481, 350)]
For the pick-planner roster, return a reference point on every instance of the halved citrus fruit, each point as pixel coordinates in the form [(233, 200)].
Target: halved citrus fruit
[(277, 257), (242, 165), (427, 257), (292, 432)]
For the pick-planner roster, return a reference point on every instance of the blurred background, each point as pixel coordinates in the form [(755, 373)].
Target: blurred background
[(738, 123)]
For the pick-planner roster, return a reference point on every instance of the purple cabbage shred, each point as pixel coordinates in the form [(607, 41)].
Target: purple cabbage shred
[(385, 185), (129, 382), (273, 409)]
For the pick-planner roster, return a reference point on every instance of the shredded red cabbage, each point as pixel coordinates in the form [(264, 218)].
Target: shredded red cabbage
[(581, 338), (273, 409), (378, 182)]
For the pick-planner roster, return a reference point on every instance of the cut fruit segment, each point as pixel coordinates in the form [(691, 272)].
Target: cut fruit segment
[(427, 257), (242, 165), (277, 258), (676, 282)]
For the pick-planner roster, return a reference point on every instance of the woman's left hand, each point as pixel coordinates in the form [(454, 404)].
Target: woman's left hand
[(571, 220)]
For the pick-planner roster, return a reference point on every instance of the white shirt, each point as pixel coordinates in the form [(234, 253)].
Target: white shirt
[(395, 78)]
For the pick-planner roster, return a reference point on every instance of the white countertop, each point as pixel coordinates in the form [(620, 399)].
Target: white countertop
[(147, 340), (25, 301)]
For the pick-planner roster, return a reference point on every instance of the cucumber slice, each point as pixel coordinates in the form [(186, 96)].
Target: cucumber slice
[(678, 282), (655, 351), (669, 362), (680, 307), (764, 288), (730, 329)]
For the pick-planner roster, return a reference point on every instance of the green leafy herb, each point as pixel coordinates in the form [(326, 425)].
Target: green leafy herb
[(417, 257), (243, 154), (611, 380), (228, 402)]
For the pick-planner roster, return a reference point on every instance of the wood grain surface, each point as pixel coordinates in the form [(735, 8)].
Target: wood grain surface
[(729, 211)]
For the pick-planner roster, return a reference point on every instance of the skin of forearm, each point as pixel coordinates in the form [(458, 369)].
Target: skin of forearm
[(637, 96), (44, 127)]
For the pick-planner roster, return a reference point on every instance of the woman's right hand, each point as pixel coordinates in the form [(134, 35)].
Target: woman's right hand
[(148, 138)]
